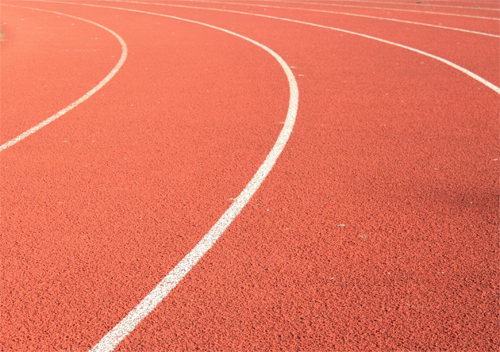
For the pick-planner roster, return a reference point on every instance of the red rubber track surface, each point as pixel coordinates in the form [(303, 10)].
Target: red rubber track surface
[(470, 8), (425, 4), (377, 229), (43, 69)]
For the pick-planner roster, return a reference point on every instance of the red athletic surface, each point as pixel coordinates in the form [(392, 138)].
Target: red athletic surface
[(377, 229)]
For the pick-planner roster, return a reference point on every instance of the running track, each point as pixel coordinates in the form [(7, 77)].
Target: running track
[(376, 229)]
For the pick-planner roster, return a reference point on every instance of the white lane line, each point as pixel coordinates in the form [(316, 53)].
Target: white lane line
[(147, 305), (401, 2), (421, 5), (447, 62), (465, 1), (404, 10), (382, 8), (427, 4), (343, 14), (87, 95)]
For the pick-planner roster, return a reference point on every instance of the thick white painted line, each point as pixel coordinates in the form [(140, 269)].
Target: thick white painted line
[(382, 8), (343, 14), (447, 62), (87, 95), (147, 305)]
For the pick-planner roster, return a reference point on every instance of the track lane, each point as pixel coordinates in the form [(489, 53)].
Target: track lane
[(478, 54), (385, 18), (35, 51), (457, 12), (229, 292), (132, 180), (111, 340), (259, 263), (426, 5), (470, 3)]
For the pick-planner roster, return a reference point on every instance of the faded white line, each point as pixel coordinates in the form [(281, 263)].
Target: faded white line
[(87, 95), (338, 13), (382, 8), (447, 62)]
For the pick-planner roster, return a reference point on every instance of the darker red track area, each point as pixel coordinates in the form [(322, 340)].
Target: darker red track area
[(376, 230)]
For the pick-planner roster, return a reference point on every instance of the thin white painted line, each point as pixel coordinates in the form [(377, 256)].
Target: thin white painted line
[(384, 8), (428, 4), (343, 14), (419, 5), (447, 62), (401, 2), (87, 95), (404, 10), (425, 1), (147, 305)]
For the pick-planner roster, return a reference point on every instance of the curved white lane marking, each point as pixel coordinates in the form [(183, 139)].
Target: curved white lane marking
[(87, 95), (380, 8), (148, 304), (447, 62), (428, 2), (403, 10), (336, 13), (420, 5), (161, 291), (475, 1)]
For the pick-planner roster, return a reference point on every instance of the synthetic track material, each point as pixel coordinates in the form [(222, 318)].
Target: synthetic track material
[(80, 100), (363, 237), (161, 291), (347, 14), (403, 10), (447, 62)]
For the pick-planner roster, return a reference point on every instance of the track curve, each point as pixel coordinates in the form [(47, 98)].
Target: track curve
[(376, 230), (80, 100)]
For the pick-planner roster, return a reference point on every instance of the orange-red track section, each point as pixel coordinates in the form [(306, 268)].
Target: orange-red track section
[(377, 229)]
